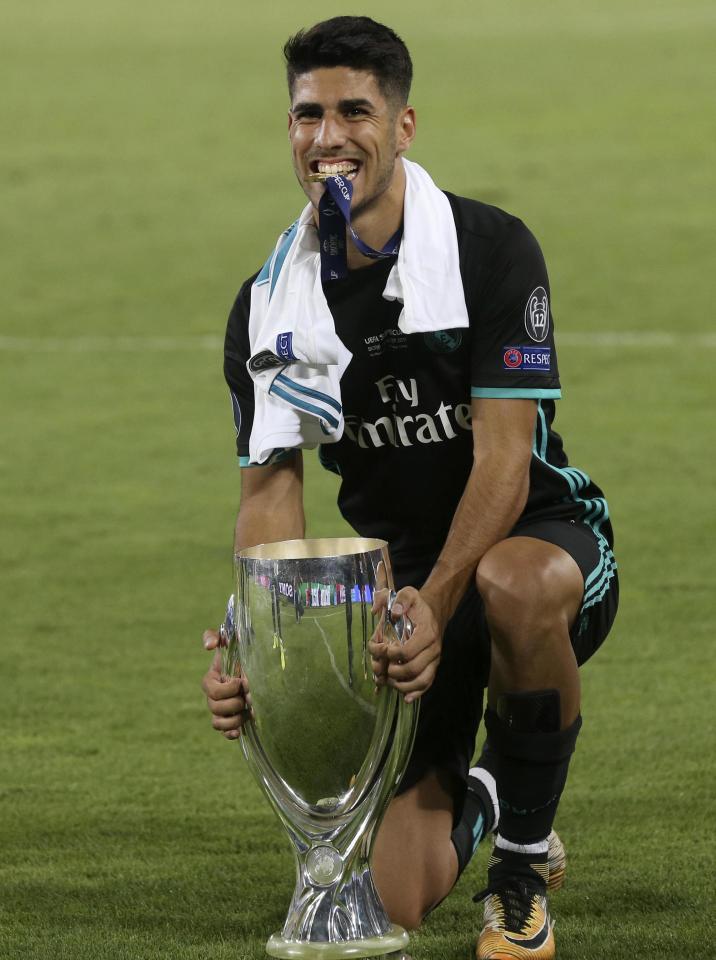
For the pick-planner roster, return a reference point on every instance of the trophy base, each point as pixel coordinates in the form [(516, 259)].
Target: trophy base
[(392, 942)]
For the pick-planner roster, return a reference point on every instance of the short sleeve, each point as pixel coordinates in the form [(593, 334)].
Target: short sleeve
[(512, 330), (237, 350), (241, 386)]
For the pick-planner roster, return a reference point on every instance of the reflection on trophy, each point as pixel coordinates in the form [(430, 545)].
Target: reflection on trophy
[(327, 749)]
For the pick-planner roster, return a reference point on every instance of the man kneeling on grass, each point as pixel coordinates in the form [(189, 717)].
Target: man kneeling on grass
[(436, 409)]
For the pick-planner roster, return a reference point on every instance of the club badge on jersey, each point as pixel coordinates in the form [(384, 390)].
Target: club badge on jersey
[(537, 315), (334, 215)]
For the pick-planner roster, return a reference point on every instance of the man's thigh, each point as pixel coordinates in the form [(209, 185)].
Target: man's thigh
[(597, 564)]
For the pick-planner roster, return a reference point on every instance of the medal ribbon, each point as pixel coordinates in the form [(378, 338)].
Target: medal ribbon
[(334, 215)]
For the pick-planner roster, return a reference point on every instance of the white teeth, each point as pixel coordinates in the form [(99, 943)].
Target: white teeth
[(334, 168)]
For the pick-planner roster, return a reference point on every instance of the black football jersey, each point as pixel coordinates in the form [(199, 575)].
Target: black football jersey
[(407, 446)]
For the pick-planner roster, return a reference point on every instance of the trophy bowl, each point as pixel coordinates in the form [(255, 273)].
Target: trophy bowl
[(324, 744)]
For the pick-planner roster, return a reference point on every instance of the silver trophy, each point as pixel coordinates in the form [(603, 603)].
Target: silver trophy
[(327, 749)]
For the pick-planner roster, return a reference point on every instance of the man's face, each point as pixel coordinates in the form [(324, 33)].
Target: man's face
[(340, 122)]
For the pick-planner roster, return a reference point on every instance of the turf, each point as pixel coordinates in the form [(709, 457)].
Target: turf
[(143, 174)]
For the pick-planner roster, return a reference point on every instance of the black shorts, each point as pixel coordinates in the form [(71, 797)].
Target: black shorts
[(451, 710)]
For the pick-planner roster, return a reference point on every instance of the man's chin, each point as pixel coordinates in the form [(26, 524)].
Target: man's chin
[(362, 205)]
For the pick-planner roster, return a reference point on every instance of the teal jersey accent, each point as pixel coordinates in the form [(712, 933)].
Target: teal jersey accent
[(478, 832), (282, 253), (277, 456), (595, 513), (272, 268), (515, 393), (304, 404)]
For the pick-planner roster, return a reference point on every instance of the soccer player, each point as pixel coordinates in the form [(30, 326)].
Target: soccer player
[(445, 446)]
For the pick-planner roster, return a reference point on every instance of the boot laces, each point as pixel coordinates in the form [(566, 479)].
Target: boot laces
[(515, 897)]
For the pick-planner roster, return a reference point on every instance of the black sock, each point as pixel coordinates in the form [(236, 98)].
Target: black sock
[(478, 819), (530, 768)]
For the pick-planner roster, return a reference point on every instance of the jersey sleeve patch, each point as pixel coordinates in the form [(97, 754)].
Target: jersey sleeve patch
[(537, 315)]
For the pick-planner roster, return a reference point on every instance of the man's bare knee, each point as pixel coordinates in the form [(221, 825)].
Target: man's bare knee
[(530, 588)]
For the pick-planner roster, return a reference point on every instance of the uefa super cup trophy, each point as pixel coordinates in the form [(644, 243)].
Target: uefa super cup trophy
[(327, 749)]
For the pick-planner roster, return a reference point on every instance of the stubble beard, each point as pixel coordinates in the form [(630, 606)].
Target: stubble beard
[(385, 176)]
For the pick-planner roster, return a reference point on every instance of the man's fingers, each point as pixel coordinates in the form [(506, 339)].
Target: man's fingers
[(380, 600), (412, 689), (227, 708), (379, 668), (210, 639), (378, 636), (217, 689), (419, 641), (228, 723), (377, 646), (408, 671), (404, 600)]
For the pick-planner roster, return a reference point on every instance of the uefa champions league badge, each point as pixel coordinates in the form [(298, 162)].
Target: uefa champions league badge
[(537, 315)]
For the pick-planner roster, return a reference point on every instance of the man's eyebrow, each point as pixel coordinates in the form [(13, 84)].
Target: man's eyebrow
[(345, 106), (303, 105)]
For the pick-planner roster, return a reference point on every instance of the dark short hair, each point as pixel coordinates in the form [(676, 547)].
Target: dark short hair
[(356, 42)]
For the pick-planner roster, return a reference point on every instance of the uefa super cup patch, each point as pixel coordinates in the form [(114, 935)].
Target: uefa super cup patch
[(537, 315), (536, 359)]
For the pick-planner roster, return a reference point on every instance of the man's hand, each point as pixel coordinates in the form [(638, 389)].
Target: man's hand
[(228, 698), (410, 667)]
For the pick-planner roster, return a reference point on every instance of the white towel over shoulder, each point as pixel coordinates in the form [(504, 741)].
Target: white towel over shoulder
[(297, 360)]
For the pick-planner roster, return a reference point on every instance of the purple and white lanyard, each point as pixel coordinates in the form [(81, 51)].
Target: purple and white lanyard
[(334, 215)]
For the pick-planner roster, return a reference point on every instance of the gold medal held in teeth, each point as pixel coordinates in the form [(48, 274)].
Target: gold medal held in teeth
[(319, 177)]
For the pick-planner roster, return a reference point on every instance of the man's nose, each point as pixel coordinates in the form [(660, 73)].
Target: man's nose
[(330, 133)]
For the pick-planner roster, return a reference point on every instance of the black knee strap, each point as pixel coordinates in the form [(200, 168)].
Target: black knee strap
[(531, 711)]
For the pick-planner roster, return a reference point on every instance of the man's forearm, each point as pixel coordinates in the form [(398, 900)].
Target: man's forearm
[(271, 506), (493, 500), (260, 526)]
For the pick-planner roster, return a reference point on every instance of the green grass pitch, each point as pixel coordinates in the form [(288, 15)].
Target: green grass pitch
[(144, 172)]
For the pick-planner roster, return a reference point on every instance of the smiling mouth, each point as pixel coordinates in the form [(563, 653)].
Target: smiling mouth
[(321, 170)]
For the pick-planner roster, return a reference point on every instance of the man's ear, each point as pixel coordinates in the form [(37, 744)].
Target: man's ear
[(405, 122)]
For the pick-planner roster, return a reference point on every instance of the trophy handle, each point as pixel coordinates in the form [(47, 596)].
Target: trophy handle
[(403, 626), (229, 641)]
